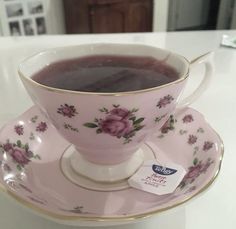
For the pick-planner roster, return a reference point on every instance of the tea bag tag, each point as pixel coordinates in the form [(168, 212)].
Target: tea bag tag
[(157, 179)]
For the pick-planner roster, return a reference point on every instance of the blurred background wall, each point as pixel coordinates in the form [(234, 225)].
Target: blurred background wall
[(38, 17)]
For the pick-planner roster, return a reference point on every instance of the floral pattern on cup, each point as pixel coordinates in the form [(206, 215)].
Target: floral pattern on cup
[(20, 153), (41, 127), (192, 139), (207, 145), (67, 110), (169, 125), (118, 122), (19, 129), (198, 168), (187, 118), (163, 102)]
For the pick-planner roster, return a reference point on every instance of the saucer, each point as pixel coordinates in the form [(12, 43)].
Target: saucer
[(30, 171)]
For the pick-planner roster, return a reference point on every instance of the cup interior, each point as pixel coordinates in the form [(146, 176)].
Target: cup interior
[(35, 63)]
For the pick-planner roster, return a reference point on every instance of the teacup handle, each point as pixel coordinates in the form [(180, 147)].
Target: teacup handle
[(207, 60)]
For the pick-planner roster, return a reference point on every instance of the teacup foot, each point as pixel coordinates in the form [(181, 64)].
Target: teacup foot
[(102, 177)]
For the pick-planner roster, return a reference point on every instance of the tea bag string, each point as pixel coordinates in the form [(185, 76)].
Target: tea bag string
[(161, 158)]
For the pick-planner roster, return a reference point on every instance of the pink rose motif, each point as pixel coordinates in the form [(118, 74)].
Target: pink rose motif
[(19, 156), (116, 125), (20, 153), (118, 122), (194, 171), (121, 112)]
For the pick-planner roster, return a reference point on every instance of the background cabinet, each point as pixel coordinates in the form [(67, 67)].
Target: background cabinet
[(108, 16)]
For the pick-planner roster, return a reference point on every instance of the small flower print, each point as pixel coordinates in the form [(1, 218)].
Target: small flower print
[(165, 101), (200, 130), (41, 127), (169, 125), (6, 147), (207, 145), (20, 153), (192, 139), (195, 171), (19, 129), (118, 122), (188, 118), (67, 110)]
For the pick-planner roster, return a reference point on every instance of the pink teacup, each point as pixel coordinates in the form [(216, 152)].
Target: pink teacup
[(108, 129)]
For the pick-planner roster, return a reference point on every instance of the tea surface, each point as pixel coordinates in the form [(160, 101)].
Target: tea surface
[(106, 73)]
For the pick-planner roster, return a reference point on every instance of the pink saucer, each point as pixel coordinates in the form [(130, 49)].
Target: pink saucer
[(30, 153)]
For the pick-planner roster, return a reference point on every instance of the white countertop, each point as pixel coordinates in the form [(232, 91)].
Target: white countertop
[(216, 207)]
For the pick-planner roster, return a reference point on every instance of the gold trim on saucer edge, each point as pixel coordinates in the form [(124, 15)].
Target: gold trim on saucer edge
[(55, 216)]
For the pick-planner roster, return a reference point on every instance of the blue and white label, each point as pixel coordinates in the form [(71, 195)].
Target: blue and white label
[(158, 179), (163, 170)]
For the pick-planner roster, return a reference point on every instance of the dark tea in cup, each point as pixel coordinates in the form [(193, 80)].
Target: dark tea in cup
[(107, 73)]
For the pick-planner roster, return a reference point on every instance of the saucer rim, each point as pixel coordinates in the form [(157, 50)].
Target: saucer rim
[(55, 216)]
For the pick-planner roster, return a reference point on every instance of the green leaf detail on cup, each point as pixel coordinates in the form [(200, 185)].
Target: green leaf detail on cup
[(118, 122), (70, 127), (34, 119), (169, 125)]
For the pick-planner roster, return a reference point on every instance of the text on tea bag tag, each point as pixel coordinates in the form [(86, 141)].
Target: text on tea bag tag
[(157, 179)]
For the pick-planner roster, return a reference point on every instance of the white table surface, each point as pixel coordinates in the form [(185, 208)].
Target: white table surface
[(216, 208)]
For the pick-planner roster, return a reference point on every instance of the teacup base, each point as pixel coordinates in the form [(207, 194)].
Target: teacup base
[(102, 177)]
